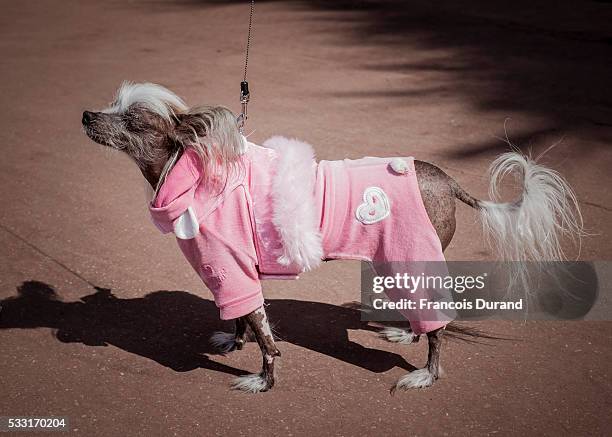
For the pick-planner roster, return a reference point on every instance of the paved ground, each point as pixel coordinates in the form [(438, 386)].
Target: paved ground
[(353, 78)]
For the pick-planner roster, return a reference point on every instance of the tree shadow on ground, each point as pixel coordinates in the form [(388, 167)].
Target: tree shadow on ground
[(547, 59), (173, 327)]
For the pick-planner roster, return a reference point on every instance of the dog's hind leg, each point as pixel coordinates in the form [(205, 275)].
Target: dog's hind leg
[(263, 381), (226, 342), (438, 192), (398, 335), (425, 377)]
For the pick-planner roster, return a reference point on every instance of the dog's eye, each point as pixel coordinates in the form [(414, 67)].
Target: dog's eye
[(134, 121), (140, 120)]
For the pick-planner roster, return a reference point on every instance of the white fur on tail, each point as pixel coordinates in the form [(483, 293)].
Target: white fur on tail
[(531, 228)]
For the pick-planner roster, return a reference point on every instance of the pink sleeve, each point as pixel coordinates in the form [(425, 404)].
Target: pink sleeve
[(224, 256)]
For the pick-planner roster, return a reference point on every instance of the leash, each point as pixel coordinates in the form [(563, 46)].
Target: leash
[(245, 95), (51, 258)]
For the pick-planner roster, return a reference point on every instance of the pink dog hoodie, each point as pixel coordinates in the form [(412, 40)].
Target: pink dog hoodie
[(282, 212)]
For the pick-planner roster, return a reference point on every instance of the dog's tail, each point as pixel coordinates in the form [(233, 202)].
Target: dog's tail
[(532, 227)]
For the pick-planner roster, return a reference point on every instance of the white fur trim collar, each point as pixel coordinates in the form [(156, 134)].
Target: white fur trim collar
[(295, 216)]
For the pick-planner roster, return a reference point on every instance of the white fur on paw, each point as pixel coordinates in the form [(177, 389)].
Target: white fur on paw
[(253, 383), (224, 342), (420, 378), (399, 166), (397, 335)]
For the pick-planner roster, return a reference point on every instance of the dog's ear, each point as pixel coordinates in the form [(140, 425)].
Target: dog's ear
[(189, 129), (212, 130)]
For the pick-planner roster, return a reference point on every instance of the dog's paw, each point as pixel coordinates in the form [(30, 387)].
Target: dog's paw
[(224, 342), (420, 378), (253, 383), (397, 335)]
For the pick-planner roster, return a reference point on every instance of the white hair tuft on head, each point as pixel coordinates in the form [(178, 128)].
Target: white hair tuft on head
[(154, 97)]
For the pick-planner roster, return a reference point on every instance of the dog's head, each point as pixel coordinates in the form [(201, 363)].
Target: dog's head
[(150, 123)]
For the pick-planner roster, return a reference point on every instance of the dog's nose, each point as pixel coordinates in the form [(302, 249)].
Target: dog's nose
[(87, 117)]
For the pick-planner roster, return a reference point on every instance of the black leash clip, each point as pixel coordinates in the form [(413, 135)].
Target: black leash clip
[(245, 95)]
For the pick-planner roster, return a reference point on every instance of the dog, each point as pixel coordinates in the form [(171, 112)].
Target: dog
[(242, 212)]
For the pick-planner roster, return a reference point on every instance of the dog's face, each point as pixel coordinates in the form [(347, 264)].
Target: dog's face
[(137, 131), (142, 122), (150, 123)]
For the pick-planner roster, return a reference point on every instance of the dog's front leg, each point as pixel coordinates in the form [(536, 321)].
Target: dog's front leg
[(240, 336), (263, 381), (226, 342)]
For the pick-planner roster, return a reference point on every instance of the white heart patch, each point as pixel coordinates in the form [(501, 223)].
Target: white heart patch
[(375, 206)]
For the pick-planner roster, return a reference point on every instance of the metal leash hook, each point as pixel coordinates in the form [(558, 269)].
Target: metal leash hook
[(245, 95)]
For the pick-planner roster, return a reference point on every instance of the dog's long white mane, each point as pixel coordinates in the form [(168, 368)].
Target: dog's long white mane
[(154, 97)]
